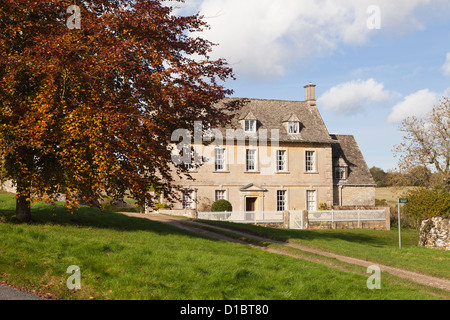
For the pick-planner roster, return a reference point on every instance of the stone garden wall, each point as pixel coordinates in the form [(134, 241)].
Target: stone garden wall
[(435, 233)]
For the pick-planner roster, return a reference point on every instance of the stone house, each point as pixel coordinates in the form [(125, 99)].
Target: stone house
[(276, 156)]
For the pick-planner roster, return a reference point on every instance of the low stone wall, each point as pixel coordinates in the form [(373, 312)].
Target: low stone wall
[(8, 186), (435, 233), (370, 225), (189, 213)]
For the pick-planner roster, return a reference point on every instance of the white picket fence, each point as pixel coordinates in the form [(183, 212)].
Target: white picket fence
[(243, 217), (297, 220), (346, 215)]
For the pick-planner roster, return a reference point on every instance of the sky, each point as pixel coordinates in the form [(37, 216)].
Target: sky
[(374, 62)]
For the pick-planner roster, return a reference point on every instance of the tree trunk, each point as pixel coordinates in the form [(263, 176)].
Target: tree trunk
[(23, 212), (23, 209)]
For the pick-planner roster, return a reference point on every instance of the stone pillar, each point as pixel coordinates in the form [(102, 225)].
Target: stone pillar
[(286, 217), (305, 219), (388, 218)]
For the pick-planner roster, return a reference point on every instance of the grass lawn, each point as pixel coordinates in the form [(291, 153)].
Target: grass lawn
[(372, 245), (130, 258)]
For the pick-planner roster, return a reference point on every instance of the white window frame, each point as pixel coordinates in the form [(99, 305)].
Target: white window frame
[(250, 125), (281, 200), (311, 197), (255, 154), (223, 194), (293, 127), (219, 164), (310, 161), (188, 200), (283, 161), (340, 173)]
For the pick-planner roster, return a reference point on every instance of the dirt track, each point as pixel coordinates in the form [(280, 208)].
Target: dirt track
[(198, 228)]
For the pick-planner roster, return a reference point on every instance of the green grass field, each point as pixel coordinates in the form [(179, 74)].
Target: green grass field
[(130, 258), (377, 246), (390, 194)]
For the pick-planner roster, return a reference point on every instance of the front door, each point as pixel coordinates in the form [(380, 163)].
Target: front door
[(250, 208), (250, 204)]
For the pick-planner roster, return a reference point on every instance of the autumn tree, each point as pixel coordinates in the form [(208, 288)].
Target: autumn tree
[(89, 111), (426, 145)]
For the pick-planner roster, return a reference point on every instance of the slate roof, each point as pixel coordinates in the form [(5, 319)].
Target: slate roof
[(347, 150), (272, 114)]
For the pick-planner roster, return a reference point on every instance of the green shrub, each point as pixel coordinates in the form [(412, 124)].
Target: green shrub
[(159, 205), (323, 206), (221, 206), (406, 222), (426, 203)]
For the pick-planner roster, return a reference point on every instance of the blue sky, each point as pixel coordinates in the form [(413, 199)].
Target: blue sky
[(372, 67)]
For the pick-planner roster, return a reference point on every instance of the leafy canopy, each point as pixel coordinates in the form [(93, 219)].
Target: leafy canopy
[(90, 111)]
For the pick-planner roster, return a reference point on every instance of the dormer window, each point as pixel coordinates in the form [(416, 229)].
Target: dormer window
[(293, 127), (291, 123), (340, 173), (340, 169), (250, 125)]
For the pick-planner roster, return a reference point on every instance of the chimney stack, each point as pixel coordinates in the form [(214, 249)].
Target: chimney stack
[(310, 92)]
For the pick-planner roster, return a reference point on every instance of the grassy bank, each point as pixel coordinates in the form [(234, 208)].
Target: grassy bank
[(130, 258), (372, 245)]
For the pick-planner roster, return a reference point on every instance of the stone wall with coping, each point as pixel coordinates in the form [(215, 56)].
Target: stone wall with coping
[(435, 233), (368, 225), (8, 186), (189, 213)]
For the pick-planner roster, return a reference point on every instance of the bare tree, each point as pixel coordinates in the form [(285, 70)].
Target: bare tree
[(426, 143)]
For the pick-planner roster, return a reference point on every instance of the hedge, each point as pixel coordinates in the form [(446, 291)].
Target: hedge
[(221, 206)]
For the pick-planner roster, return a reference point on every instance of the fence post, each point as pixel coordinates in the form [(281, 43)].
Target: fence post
[(387, 215), (305, 219), (359, 220), (286, 219), (333, 224)]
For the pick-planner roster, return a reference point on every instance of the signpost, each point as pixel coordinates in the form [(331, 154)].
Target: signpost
[(399, 232)]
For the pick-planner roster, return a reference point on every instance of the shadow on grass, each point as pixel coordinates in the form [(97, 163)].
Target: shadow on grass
[(369, 237), (45, 214)]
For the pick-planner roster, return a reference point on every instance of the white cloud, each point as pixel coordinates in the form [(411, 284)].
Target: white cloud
[(260, 38), (446, 66), (417, 104), (353, 96)]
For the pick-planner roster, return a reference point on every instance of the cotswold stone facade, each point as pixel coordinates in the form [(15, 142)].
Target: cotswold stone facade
[(280, 157), (435, 233)]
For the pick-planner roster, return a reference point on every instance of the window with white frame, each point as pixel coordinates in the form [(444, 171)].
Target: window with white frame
[(281, 160), (293, 127), (219, 156), (311, 200), (310, 161), (340, 173), (250, 125), (188, 199), (251, 160), (187, 157), (220, 195), (281, 200)]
